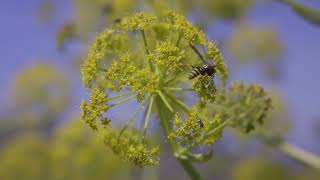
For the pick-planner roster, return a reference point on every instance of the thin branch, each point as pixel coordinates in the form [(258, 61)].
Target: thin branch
[(165, 101), (179, 89), (179, 39), (198, 53), (141, 125), (133, 116), (120, 96), (300, 155), (102, 69), (188, 167), (146, 123), (222, 125), (181, 104), (292, 151), (215, 130), (123, 101), (146, 48), (168, 83), (145, 42)]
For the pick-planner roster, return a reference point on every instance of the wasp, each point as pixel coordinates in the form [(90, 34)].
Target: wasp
[(205, 69)]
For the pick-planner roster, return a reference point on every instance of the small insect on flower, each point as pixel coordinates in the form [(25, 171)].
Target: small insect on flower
[(200, 123), (205, 69), (118, 20)]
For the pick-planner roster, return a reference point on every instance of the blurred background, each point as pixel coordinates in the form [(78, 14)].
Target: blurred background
[(275, 43)]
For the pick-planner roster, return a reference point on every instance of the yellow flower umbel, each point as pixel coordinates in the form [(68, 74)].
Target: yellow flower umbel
[(245, 106), (139, 21), (154, 69), (94, 110), (196, 130), (168, 57), (128, 145)]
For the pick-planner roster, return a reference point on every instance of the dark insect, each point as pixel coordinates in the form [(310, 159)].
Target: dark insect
[(205, 69), (200, 123), (118, 20)]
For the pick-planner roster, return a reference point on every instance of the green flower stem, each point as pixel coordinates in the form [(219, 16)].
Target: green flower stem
[(179, 39), (168, 83), (222, 125), (146, 124), (164, 99), (133, 116), (141, 125), (147, 48), (120, 96), (165, 116), (188, 167), (215, 130), (123, 101), (297, 153), (102, 69), (179, 89), (309, 13), (145, 42), (179, 103), (198, 53)]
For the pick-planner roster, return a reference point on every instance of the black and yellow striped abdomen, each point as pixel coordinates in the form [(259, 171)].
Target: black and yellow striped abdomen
[(205, 69)]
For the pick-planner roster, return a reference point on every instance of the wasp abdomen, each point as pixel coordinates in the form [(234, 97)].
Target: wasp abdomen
[(205, 69)]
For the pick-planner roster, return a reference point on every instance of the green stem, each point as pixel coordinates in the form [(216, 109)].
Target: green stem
[(122, 101), (168, 83), (188, 167), (142, 120), (294, 152), (179, 89), (145, 42), (198, 53), (181, 104), (102, 69), (215, 130), (310, 14), (301, 155), (179, 39), (146, 48), (120, 96), (146, 124), (164, 99), (132, 117), (222, 125), (165, 115)]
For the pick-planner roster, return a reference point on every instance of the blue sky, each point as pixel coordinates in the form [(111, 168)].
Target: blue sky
[(25, 41)]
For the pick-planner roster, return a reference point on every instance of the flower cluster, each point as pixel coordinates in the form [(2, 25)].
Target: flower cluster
[(186, 29), (120, 71), (124, 73), (206, 89), (215, 54), (131, 148), (144, 81), (196, 130), (167, 56), (105, 42), (245, 105), (139, 21), (94, 110)]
